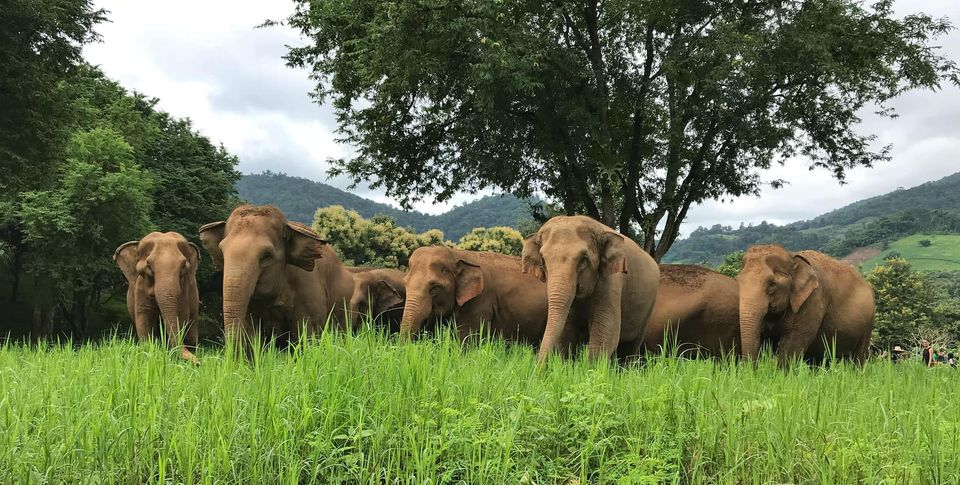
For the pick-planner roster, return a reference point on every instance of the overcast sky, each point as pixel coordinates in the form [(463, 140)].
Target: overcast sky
[(206, 61)]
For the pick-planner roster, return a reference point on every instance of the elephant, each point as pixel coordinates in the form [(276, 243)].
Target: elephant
[(697, 310), (804, 303), (161, 273), (380, 292), (481, 290), (280, 273), (601, 286)]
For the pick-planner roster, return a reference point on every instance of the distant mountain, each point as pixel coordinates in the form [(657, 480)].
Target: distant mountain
[(874, 223), (299, 199)]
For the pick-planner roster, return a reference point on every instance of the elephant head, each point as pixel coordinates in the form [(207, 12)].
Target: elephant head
[(161, 266), (253, 248), (774, 284), (571, 254), (438, 282), (373, 293)]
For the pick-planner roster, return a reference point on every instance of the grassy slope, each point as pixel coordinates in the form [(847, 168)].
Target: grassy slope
[(366, 410), (943, 254)]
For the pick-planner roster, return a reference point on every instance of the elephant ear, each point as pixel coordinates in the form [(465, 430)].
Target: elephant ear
[(196, 251), (531, 262), (612, 258), (211, 235), (805, 280), (303, 245), (126, 257), (387, 296), (469, 282)]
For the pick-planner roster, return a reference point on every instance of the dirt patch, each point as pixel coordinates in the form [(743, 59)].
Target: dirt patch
[(685, 275), (859, 256)]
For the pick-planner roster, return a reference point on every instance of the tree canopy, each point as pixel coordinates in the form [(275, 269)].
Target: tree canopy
[(629, 112), (121, 169)]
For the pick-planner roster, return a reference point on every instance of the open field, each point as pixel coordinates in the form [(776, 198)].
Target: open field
[(943, 254), (364, 409)]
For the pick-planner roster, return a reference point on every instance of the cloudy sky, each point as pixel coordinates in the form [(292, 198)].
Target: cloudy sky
[(205, 60)]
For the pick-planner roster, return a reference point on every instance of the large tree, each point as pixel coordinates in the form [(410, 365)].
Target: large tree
[(40, 44), (629, 111)]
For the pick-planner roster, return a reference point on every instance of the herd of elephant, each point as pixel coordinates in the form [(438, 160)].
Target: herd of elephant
[(577, 283)]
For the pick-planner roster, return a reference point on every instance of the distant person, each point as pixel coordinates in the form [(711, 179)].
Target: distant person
[(927, 353), (952, 360), (897, 354)]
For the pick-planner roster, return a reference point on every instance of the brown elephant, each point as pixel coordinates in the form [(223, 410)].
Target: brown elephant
[(161, 273), (381, 293), (280, 273), (601, 286), (478, 289), (805, 303), (697, 310)]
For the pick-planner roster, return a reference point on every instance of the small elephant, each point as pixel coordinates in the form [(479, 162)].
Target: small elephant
[(381, 293), (697, 310), (600, 285), (161, 273), (481, 290), (805, 303), (280, 273)]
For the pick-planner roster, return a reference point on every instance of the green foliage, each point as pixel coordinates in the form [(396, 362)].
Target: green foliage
[(629, 112), (377, 241), (102, 197), (299, 199), (732, 264), (126, 168), (496, 239), (40, 47), (925, 243), (905, 303), (361, 409)]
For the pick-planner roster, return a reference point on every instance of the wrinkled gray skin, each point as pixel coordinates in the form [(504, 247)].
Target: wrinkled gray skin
[(379, 292), (601, 286), (161, 273), (482, 291), (278, 276), (804, 303)]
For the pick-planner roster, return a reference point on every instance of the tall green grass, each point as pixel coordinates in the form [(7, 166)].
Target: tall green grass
[(366, 409)]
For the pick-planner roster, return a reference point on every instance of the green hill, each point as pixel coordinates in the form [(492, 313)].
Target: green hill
[(931, 208), (299, 198), (942, 253)]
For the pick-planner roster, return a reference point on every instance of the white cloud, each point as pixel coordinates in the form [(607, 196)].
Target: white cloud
[(205, 60)]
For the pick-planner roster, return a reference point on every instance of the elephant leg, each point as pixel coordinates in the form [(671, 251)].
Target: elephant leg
[(145, 322), (604, 322), (793, 346)]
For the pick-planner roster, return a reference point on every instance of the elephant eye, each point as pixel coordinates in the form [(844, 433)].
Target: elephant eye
[(434, 289)]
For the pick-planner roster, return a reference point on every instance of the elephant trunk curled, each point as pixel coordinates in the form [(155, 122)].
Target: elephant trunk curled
[(753, 307), (560, 293)]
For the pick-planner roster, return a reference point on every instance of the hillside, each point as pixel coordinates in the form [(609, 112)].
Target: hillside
[(866, 227), (299, 198)]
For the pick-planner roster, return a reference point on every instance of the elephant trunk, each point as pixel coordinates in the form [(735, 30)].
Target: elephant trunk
[(560, 292), (414, 313), (238, 287), (753, 308), (169, 294)]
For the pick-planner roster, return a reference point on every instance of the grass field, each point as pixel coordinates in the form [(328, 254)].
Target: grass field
[(943, 254), (365, 409)]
